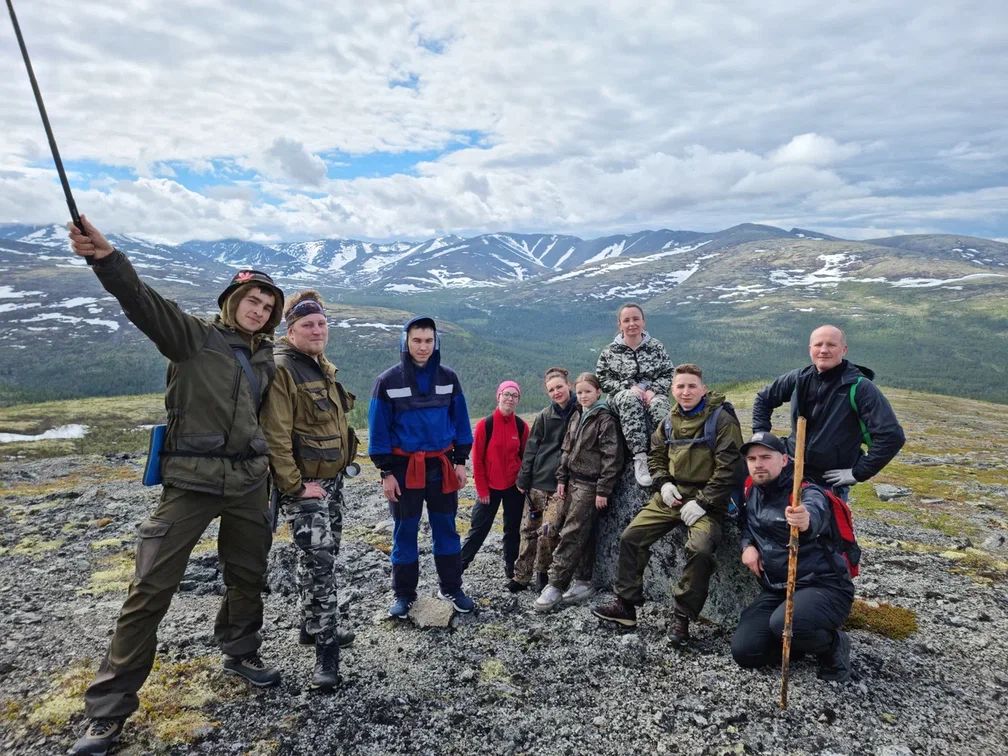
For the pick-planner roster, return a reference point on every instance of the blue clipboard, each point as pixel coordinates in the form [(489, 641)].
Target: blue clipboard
[(152, 470)]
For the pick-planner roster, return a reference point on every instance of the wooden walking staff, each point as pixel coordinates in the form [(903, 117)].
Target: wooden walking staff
[(792, 561)]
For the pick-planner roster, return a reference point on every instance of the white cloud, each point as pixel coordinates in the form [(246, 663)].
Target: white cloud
[(597, 117)]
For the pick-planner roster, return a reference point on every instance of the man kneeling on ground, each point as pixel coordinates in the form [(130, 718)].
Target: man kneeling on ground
[(823, 588)]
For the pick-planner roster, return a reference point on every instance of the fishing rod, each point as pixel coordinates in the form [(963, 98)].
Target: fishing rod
[(71, 205)]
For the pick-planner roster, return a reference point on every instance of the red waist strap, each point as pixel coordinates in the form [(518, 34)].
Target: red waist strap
[(416, 470)]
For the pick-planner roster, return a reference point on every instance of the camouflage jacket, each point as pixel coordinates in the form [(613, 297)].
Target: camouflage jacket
[(620, 367)]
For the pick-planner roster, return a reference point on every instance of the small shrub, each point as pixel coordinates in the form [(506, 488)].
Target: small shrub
[(882, 619)]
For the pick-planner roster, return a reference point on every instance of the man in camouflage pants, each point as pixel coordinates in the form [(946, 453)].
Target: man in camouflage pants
[(310, 447)]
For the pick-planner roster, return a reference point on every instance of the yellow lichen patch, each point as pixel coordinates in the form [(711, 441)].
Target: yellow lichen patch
[(882, 619), (82, 477), (110, 543), (114, 576), (206, 546), (64, 699), (977, 564), (173, 700), (11, 710), (493, 670), (264, 748), (33, 546), (379, 540)]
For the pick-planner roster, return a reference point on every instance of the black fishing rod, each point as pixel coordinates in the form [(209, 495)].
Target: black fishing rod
[(45, 121)]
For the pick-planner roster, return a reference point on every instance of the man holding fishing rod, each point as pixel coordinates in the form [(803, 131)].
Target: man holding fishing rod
[(214, 464)]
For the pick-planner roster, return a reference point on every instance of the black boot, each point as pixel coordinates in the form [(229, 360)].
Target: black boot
[(326, 676), (679, 632), (835, 665)]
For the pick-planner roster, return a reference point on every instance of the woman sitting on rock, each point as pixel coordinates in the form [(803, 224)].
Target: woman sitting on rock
[(590, 464), (537, 480), (636, 373), (497, 456)]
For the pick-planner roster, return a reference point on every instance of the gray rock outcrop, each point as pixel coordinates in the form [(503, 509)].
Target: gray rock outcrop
[(732, 586)]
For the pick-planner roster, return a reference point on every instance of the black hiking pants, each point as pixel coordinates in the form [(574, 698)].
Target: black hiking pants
[(481, 521)]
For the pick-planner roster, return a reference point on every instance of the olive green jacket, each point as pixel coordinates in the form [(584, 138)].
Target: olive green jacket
[(592, 449), (214, 443), (699, 472), (305, 420)]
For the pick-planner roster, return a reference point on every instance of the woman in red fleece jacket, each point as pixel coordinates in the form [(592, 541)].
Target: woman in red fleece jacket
[(496, 461)]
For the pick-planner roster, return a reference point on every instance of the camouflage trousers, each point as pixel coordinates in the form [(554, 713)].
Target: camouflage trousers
[(540, 532), (316, 528), (637, 421), (569, 533)]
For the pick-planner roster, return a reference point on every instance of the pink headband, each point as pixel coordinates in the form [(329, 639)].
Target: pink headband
[(508, 385)]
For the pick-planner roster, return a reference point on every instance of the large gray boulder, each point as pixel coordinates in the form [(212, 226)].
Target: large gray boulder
[(732, 586)]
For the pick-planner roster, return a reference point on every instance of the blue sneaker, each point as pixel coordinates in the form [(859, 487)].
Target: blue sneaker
[(400, 608), (459, 600)]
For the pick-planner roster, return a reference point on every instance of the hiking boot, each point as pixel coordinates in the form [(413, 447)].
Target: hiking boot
[(640, 470), (326, 675), (462, 603), (515, 587), (400, 608), (619, 610), (253, 669), (835, 665), (580, 590), (548, 599), (101, 734), (542, 578), (679, 632), (345, 637)]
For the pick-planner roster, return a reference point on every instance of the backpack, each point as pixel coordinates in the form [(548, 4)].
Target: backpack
[(842, 535), (865, 435), (709, 437), (520, 424)]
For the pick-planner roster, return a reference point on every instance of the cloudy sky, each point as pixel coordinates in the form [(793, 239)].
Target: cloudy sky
[(294, 120)]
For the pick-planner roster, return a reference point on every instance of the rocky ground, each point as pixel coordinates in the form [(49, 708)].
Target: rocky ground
[(505, 680)]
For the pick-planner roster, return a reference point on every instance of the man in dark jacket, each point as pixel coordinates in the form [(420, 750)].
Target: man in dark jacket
[(420, 438), (694, 476), (823, 588), (214, 464), (843, 409), (311, 444)]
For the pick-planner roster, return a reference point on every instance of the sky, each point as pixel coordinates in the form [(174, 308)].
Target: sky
[(207, 119)]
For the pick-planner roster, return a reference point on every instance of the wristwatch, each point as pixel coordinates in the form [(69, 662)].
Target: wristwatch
[(384, 473)]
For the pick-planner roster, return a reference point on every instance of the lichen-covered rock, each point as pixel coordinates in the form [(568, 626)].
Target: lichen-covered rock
[(732, 586)]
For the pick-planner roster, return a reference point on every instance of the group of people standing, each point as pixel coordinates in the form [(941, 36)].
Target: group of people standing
[(242, 411)]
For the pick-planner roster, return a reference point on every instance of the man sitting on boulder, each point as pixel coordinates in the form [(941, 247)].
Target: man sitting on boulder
[(695, 464), (842, 408), (823, 588)]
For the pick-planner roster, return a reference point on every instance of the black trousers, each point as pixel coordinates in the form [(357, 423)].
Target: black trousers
[(482, 519), (819, 611)]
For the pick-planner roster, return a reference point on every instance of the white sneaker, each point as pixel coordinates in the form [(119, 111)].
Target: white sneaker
[(548, 599), (640, 470), (580, 590)]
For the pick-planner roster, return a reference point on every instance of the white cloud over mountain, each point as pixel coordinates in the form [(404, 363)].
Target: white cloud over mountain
[(297, 119)]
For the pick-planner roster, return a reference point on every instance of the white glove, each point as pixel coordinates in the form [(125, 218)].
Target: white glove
[(840, 477), (670, 495), (691, 512)]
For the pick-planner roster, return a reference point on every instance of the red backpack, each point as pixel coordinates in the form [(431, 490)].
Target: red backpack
[(841, 528)]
